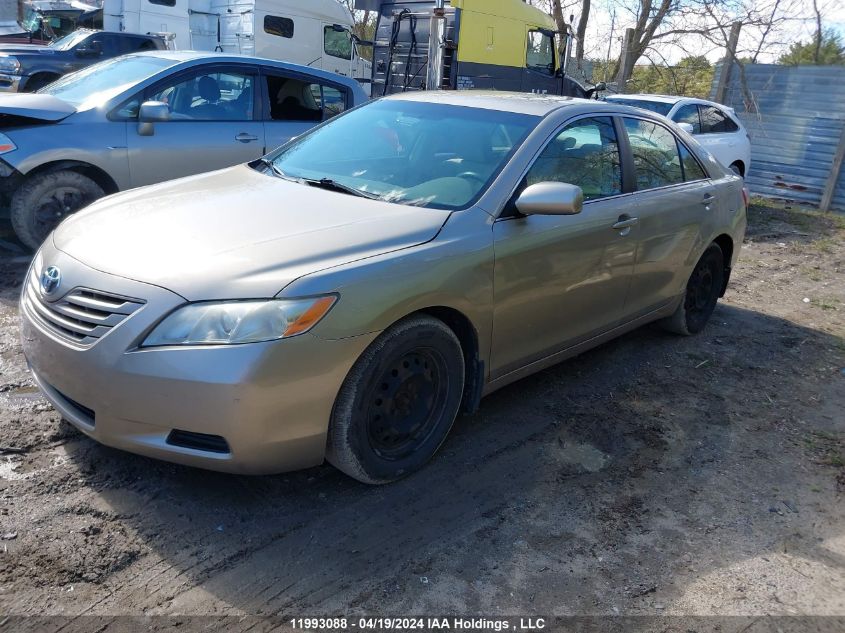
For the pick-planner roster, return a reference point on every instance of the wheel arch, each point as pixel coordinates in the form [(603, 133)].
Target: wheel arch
[(40, 74), (741, 166), (467, 335), (98, 175), (726, 243)]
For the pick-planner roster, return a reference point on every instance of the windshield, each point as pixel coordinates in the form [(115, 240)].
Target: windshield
[(652, 106), (424, 154), (70, 40), (95, 85)]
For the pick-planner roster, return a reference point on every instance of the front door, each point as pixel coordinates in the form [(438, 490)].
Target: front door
[(563, 279), (540, 73), (212, 125)]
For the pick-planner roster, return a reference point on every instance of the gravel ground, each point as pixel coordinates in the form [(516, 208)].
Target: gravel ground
[(653, 475)]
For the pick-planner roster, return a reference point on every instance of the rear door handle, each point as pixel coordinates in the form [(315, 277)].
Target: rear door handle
[(707, 199), (243, 137), (625, 223)]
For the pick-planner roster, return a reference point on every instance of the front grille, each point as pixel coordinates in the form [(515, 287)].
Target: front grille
[(82, 316), (198, 441)]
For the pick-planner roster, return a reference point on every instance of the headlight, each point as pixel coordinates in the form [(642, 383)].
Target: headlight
[(6, 144), (236, 322), (9, 64)]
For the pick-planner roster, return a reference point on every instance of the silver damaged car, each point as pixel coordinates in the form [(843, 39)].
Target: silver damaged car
[(345, 297)]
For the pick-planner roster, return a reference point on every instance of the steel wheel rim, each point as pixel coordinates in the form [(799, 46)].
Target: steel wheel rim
[(700, 290), (407, 403), (55, 206)]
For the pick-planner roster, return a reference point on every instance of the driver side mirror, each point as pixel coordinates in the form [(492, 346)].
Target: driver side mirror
[(551, 198), (687, 127), (93, 49), (149, 113)]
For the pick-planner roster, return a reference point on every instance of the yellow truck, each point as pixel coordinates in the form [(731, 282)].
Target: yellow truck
[(467, 44)]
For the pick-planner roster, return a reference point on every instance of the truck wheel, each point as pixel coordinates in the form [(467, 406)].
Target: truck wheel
[(44, 200), (37, 82), (703, 289), (398, 402)]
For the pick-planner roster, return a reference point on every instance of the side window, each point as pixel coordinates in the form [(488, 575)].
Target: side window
[(296, 100), (331, 100), (689, 114), (337, 43), (164, 3), (692, 170), (541, 52), (282, 27), (585, 153), (220, 96), (656, 159), (714, 121)]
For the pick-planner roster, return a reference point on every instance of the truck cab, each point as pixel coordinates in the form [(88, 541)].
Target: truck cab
[(465, 45), (317, 33)]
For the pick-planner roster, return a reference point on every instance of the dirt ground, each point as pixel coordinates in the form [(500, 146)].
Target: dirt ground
[(654, 475)]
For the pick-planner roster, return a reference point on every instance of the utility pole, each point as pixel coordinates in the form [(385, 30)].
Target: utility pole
[(728, 63), (621, 77)]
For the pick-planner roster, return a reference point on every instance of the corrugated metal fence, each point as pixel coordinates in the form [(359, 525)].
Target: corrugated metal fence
[(795, 116)]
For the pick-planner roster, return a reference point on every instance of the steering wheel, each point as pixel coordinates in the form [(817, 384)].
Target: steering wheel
[(471, 175)]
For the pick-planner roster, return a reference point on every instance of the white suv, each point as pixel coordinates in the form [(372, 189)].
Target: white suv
[(714, 125)]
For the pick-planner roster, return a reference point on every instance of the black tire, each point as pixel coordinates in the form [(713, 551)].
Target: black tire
[(737, 169), (38, 82), (703, 290), (398, 402), (44, 200)]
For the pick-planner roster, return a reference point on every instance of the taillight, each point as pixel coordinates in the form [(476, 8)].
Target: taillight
[(745, 197)]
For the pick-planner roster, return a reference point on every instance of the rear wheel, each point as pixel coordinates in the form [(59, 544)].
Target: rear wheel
[(398, 402), (737, 169), (44, 200), (703, 290)]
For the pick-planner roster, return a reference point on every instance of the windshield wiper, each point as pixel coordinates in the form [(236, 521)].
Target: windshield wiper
[(333, 185), (278, 172)]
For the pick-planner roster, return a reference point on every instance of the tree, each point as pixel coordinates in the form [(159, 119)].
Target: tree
[(828, 49)]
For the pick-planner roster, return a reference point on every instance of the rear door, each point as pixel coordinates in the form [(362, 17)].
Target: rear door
[(293, 103), (719, 134), (673, 195), (213, 124)]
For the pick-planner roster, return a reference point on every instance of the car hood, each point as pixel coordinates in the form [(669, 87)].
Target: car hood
[(35, 106), (25, 49), (236, 233)]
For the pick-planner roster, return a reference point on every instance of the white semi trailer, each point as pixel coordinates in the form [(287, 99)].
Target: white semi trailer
[(316, 33)]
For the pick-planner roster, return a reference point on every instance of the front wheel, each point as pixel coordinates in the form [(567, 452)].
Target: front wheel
[(44, 200), (398, 402), (703, 290)]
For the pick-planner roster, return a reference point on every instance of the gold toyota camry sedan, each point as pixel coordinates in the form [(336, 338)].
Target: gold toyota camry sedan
[(345, 297)]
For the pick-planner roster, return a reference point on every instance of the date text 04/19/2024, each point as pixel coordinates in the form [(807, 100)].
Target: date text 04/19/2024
[(419, 624)]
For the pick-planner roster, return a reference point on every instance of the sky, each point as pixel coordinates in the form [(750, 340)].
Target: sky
[(800, 27)]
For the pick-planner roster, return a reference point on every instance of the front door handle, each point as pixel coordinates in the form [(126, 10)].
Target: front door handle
[(243, 137), (708, 199), (625, 222)]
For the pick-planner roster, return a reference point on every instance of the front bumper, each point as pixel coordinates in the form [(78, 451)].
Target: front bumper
[(10, 83), (269, 402)]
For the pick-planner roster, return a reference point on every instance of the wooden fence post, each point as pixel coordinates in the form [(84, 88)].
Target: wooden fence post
[(833, 178), (728, 63), (621, 79)]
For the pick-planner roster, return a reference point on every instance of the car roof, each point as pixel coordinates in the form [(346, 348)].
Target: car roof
[(515, 102), (184, 57), (648, 97)]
